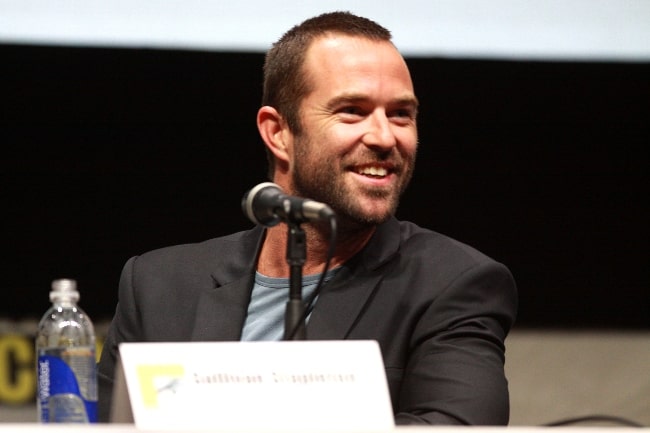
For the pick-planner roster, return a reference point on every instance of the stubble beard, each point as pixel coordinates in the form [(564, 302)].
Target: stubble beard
[(322, 180)]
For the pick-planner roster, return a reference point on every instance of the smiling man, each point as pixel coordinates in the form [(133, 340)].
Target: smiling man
[(338, 119)]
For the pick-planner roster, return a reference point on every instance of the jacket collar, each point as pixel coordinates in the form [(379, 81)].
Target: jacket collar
[(222, 310), (343, 298)]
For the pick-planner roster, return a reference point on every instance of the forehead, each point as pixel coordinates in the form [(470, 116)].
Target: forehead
[(352, 63)]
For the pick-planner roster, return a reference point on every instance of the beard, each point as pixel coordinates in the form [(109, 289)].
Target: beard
[(322, 178)]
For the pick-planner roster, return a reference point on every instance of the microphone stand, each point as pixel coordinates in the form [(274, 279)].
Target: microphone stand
[(294, 323)]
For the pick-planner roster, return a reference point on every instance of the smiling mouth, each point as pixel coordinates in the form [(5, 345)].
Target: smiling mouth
[(373, 171)]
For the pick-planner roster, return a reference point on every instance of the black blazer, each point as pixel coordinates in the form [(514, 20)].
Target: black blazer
[(439, 309)]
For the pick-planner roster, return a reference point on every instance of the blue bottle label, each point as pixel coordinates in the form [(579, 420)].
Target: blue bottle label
[(67, 385)]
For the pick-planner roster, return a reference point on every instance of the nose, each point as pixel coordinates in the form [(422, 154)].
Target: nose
[(379, 133)]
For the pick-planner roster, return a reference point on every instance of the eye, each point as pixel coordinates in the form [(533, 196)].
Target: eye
[(353, 110), (350, 113), (403, 115)]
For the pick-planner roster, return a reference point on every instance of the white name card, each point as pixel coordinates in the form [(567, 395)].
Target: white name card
[(255, 386)]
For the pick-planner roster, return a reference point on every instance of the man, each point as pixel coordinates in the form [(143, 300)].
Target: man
[(339, 123)]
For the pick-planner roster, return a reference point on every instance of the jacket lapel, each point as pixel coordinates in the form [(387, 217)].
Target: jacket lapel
[(221, 309), (339, 306), (221, 312), (342, 300)]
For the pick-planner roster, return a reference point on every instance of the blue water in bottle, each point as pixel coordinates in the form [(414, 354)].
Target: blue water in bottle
[(66, 361)]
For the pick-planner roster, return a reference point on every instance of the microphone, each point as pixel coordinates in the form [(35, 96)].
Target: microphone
[(267, 205)]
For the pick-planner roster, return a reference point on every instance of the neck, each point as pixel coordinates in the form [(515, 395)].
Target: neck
[(272, 260)]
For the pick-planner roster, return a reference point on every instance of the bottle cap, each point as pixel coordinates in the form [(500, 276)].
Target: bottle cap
[(64, 289)]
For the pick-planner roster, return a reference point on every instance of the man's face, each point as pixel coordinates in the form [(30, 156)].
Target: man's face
[(358, 143)]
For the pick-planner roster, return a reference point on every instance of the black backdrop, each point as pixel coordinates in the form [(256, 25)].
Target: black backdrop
[(108, 153)]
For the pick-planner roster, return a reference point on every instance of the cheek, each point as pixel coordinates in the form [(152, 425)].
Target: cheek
[(341, 139), (408, 142)]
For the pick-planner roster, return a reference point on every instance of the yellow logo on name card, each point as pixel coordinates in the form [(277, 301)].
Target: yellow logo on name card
[(156, 378)]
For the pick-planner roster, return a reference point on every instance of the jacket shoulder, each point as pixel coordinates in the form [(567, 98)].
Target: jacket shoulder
[(216, 253), (428, 244)]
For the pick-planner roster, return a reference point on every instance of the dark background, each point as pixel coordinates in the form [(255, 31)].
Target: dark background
[(108, 153)]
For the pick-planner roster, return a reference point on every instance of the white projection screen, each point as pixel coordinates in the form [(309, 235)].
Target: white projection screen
[(608, 30)]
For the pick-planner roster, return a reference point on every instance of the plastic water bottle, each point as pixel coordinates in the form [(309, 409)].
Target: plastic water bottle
[(66, 364)]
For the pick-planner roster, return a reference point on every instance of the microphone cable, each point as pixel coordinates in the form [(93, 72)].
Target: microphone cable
[(594, 419), (309, 304)]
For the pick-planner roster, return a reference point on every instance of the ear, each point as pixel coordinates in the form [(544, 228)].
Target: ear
[(274, 131)]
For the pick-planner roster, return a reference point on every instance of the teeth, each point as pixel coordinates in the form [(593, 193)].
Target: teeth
[(374, 171)]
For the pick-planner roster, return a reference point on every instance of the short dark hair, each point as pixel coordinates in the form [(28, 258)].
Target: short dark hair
[(285, 81)]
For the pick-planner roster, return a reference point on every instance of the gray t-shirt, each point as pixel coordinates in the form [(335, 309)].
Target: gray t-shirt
[(266, 311)]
